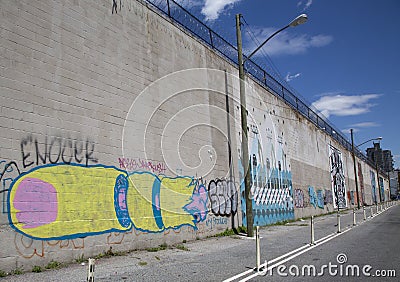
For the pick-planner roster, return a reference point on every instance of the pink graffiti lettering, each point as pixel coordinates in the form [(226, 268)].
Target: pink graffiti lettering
[(132, 164)]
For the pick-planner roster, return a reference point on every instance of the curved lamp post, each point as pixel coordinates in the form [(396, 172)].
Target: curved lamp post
[(297, 21), (354, 162), (243, 113)]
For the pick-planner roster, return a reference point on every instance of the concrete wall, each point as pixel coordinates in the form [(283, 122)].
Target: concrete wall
[(115, 133)]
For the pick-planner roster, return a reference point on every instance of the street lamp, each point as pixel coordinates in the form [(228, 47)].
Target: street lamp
[(297, 21), (354, 162), (243, 113)]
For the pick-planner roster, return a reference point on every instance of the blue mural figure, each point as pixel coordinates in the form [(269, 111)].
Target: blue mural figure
[(313, 196), (320, 199), (373, 187), (382, 190), (271, 181)]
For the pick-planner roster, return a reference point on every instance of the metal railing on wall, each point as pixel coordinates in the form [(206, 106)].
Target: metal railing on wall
[(196, 27)]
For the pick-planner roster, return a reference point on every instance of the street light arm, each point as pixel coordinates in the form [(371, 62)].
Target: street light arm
[(297, 21), (378, 138), (266, 40)]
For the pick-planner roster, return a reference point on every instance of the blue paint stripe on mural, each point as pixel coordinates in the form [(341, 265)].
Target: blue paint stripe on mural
[(72, 236), (120, 202), (156, 203)]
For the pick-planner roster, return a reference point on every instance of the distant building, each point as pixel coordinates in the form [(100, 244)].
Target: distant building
[(383, 158), (394, 183)]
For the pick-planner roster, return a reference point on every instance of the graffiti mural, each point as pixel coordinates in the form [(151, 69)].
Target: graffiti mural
[(131, 164), (211, 222), (61, 201), (373, 186), (27, 247), (361, 182), (8, 172), (320, 199), (352, 198), (328, 197), (337, 178), (299, 198), (223, 197), (55, 149), (313, 196), (382, 190), (271, 178)]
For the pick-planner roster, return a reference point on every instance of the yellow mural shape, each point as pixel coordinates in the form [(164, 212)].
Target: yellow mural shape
[(84, 201), (175, 195), (71, 201)]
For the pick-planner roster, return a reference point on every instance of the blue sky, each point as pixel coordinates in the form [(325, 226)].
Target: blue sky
[(345, 60)]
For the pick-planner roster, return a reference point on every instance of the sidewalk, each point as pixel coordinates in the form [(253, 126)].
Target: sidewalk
[(211, 259)]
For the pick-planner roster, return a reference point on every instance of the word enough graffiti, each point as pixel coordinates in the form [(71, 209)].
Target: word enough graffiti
[(56, 150)]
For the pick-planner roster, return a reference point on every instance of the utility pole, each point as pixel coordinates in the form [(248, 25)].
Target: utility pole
[(355, 167), (377, 180), (244, 147), (245, 144)]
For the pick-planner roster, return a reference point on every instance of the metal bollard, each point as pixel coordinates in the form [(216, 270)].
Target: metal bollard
[(90, 277), (338, 222), (372, 213), (365, 215), (312, 231), (354, 217), (258, 255)]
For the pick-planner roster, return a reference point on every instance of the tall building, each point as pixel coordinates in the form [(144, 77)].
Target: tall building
[(383, 158), (394, 183)]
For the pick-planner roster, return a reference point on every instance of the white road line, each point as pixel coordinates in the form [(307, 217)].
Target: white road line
[(296, 252), (299, 249), (276, 259), (295, 255)]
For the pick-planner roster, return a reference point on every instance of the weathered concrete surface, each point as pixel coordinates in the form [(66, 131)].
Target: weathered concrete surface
[(115, 132)]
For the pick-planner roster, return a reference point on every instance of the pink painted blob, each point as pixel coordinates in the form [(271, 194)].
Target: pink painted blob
[(36, 202), (198, 206)]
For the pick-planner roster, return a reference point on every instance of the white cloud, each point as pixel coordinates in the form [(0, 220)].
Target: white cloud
[(213, 8), (365, 124), (188, 4), (290, 77), (286, 43), (306, 4), (358, 126), (343, 105)]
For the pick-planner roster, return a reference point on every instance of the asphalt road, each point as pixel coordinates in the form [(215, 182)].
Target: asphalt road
[(373, 242), (369, 251)]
